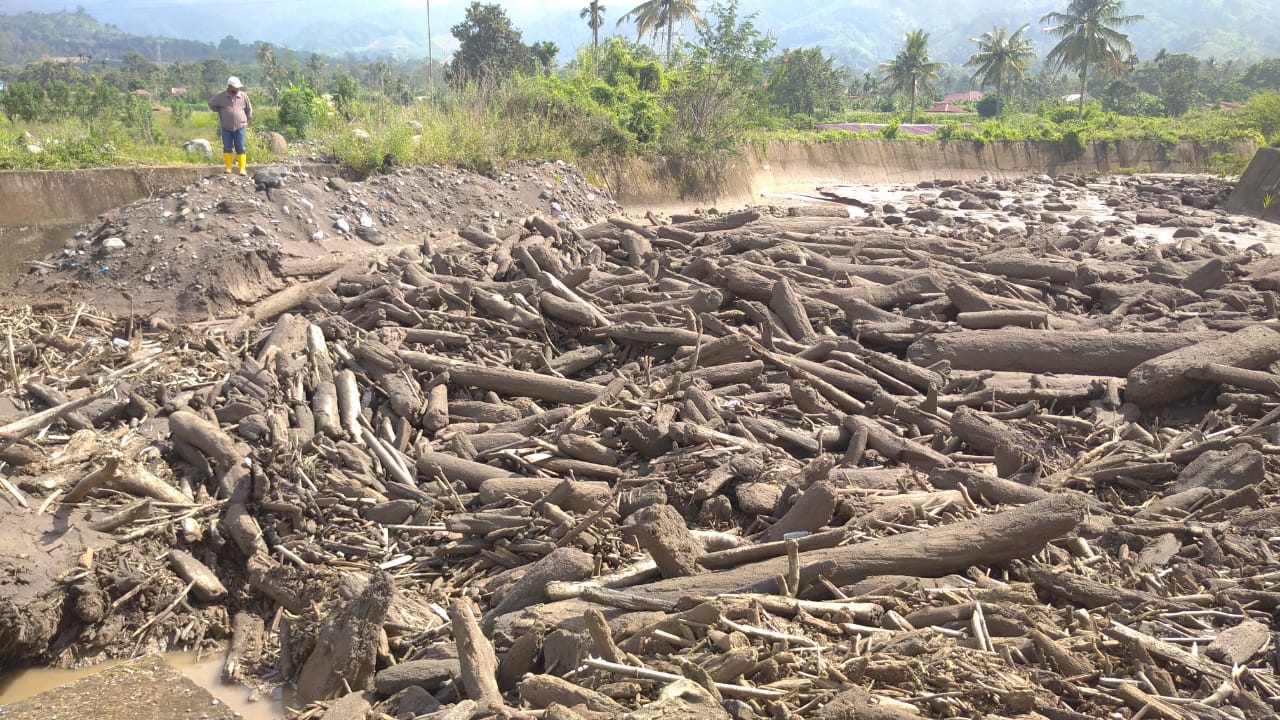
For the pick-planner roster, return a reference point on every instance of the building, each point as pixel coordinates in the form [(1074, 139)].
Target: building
[(177, 91), (972, 96), (945, 107)]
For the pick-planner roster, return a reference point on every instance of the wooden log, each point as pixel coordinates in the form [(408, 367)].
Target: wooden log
[(517, 383), (988, 539), (1226, 375), (911, 290), (246, 637), (476, 658), (205, 585), (786, 302), (1164, 379), (660, 530), (478, 237), (896, 447), (346, 650), (716, 223), (432, 465), (53, 398), (809, 513), (1040, 351), (994, 319)]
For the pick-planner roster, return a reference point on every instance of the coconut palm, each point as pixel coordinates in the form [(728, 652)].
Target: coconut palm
[(1001, 59), (1089, 37), (594, 15), (654, 16), (911, 70)]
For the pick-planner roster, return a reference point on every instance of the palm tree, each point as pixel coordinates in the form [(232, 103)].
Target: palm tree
[(1001, 58), (594, 15), (653, 16), (1089, 37), (315, 66), (911, 70)]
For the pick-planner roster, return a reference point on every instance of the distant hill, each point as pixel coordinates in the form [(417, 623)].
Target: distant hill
[(27, 37), (859, 33)]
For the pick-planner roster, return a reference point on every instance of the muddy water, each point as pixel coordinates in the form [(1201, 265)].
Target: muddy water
[(204, 670)]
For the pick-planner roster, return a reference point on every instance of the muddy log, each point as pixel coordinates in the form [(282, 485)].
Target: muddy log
[(1169, 377), (346, 650), (1111, 354), (516, 383), (987, 540)]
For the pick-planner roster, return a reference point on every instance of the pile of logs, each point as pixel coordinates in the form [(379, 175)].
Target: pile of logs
[(743, 466)]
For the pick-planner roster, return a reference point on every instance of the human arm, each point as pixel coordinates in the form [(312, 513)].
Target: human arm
[(248, 109)]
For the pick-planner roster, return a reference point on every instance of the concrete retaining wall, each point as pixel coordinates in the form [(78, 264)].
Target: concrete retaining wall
[(1258, 192), (60, 197), (685, 181)]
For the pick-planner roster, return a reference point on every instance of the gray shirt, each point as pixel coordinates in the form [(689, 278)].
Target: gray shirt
[(234, 111)]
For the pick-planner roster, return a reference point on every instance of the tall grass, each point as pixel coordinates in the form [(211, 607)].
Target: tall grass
[(77, 143)]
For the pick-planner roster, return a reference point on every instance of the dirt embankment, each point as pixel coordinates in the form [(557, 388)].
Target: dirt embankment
[(767, 463)]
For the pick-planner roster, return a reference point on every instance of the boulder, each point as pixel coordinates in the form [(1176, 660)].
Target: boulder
[(200, 146), (276, 143)]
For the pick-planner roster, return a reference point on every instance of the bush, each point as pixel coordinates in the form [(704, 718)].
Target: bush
[(1227, 164), (990, 106), (301, 109)]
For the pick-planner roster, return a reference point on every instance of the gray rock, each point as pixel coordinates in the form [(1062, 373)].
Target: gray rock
[(353, 706), (198, 145), (414, 701), (371, 235), (681, 700), (272, 176), (113, 243), (430, 674)]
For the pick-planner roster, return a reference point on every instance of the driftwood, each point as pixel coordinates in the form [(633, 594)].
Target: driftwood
[(745, 464)]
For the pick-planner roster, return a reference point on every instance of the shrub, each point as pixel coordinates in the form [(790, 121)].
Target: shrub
[(990, 106)]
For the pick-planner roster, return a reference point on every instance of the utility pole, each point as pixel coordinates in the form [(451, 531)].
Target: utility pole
[(431, 76)]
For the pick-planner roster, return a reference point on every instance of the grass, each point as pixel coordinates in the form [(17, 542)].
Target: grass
[(479, 128)]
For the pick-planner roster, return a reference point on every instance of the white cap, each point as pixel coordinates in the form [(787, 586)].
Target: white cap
[(234, 82)]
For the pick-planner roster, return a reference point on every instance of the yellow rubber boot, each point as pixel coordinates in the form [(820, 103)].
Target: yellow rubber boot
[(226, 158), (243, 159)]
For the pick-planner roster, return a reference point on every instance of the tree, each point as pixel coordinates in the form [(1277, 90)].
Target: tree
[(805, 81), (270, 66), (544, 55), (719, 85), (594, 15), (653, 16), (23, 101), (1089, 37), (1179, 83), (1001, 59), (911, 70), (315, 68), (489, 46)]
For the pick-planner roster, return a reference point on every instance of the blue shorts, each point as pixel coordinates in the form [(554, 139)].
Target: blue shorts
[(233, 137)]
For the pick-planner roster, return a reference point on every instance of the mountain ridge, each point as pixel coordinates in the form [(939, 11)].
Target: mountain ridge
[(860, 34)]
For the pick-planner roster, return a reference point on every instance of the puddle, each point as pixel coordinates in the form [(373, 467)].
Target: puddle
[(205, 671)]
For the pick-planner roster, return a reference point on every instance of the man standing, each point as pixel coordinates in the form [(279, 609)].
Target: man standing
[(234, 112)]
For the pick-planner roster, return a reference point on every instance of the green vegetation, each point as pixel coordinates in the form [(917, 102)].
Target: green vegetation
[(912, 70), (724, 85), (1089, 38), (1001, 60)]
